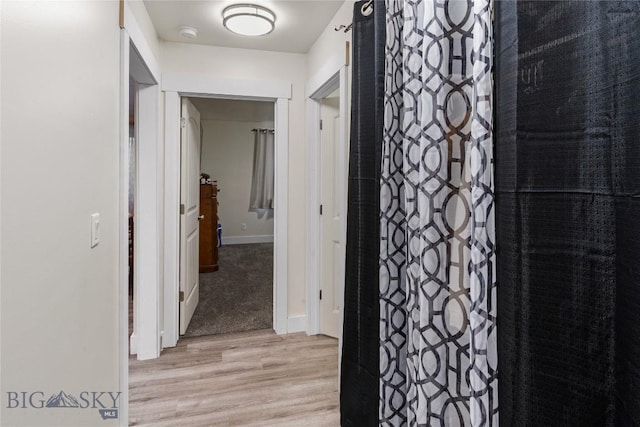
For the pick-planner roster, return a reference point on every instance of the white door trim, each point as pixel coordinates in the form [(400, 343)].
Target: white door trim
[(147, 217), (338, 79), (206, 87), (281, 222), (171, 218), (136, 35), (176, 85), (123, 241), (0, 200)]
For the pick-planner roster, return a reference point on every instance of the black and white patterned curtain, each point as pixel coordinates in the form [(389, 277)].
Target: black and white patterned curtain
[(438, 363)]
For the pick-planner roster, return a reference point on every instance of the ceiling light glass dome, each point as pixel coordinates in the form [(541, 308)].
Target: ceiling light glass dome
[(248, 19)]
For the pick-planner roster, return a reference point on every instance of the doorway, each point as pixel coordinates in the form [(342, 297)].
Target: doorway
[(144, 340), (236, 177), (327, 165), (278, 94), (138, 264)]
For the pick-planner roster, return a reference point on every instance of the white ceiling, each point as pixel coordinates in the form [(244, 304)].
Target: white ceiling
[(298, 22)]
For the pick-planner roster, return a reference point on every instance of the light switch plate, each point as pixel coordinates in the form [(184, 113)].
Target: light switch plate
[(95, 229)]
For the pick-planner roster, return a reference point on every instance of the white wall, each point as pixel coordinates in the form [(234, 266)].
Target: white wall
[(227, 156), (60, 141), (140, 14), (328, 52), (247, 64)]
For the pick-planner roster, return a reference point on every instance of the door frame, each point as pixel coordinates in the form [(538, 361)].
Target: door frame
[(338, 79), (174, 86), (138, 60)]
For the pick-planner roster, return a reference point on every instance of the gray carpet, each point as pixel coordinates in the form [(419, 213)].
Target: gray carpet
[(239, 296)]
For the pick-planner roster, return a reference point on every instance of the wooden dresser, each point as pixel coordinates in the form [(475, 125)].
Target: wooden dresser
[(209, 228)]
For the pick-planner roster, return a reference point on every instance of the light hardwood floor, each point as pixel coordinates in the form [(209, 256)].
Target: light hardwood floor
[(252, 378)]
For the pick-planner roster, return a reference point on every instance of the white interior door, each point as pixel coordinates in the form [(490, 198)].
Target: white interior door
[(189, 213), (332, 262)]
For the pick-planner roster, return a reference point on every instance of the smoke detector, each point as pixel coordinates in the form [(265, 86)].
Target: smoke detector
[(188, 32)]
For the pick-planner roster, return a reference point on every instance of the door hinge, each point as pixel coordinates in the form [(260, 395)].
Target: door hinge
[(320, 293), (181, 209), (320, 124), (320, 209), (181, 296), (183, 122)]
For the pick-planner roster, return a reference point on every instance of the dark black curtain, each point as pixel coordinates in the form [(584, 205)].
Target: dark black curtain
[(360, 351), (568, 212)]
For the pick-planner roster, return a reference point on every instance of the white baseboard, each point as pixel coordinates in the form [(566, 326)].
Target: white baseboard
[(133, 344), (243, 240), (296, 324)]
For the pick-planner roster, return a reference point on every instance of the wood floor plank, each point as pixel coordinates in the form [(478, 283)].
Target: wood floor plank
[(247, 379)]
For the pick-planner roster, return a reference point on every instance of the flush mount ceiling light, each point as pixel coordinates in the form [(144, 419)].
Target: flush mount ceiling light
[(248, 19)]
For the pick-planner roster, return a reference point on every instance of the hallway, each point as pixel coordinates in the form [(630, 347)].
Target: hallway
[(252, 378)]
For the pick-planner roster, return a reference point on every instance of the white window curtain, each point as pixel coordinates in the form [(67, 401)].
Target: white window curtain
[(438, 362), (262, 183)]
